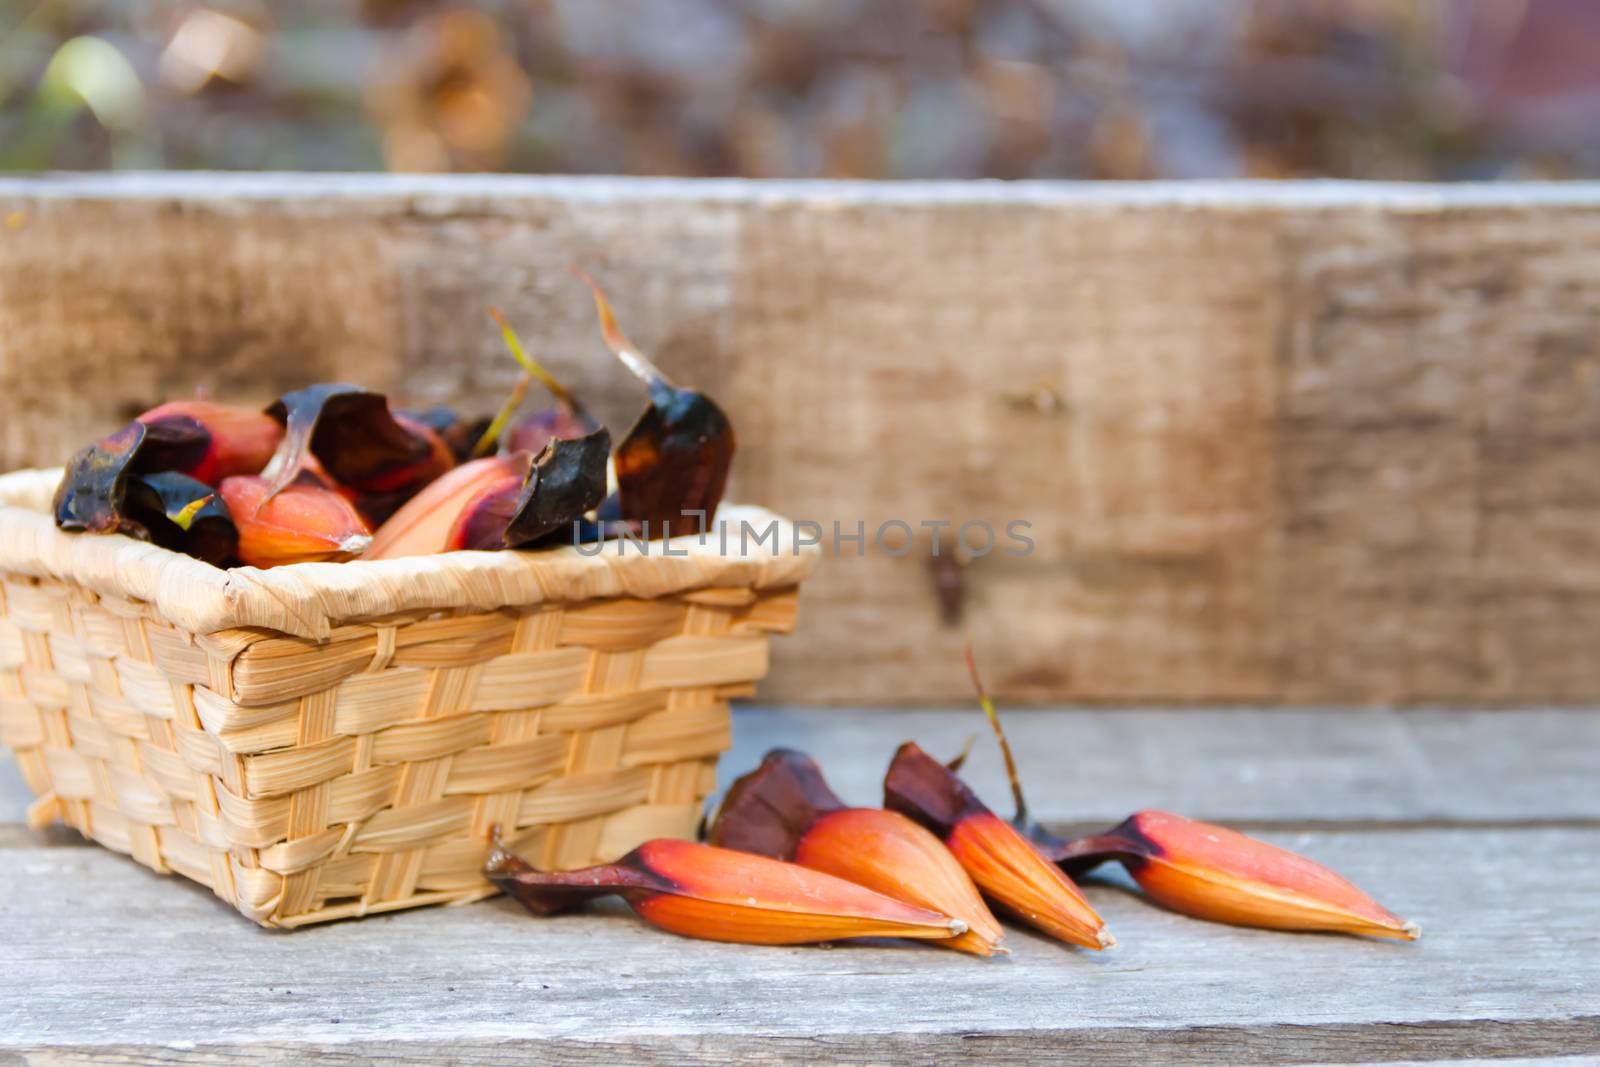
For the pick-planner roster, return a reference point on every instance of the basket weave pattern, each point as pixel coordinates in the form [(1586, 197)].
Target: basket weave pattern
[(308, 779)]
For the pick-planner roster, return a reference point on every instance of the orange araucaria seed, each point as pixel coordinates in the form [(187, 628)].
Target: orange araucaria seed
[(501, 501), (1208, 871), (720, 895), (437, 518), (306, 522), (785, 809), (1005, 865), (195, 438), (377, 459), (210, 441), (1211, 872)]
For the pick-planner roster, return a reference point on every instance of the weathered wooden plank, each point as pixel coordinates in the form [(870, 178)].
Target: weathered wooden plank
[(1509, 965), (1253, 766), (1128, 1047), (1291, 442), (1249, 766)]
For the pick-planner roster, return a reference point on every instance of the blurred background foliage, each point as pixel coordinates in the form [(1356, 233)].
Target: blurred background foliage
[(1406, 89)]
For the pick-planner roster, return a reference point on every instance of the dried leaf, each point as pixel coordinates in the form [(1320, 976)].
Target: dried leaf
[(568, 480), (182, 514), (351, 434), (458, 432), (94, 484), (197, 438)]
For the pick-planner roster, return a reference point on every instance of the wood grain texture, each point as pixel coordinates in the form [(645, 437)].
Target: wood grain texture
[(1295, 443), (1509, 966), (1200, 1047), (1250, 766)]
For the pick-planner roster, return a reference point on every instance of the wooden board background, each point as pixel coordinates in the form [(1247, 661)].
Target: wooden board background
[(1278, 444)]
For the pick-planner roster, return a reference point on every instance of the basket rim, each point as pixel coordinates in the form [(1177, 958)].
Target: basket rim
[(311, 599)]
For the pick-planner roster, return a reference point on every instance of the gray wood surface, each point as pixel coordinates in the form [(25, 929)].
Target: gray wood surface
[(1256, 766), (107, 963), (99, 953), (1277, 442)]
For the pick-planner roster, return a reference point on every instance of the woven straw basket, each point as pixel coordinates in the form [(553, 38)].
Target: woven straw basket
[(329, 740)]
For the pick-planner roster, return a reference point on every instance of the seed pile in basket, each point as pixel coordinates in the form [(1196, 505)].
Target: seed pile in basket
[(331, 473), (789, 863)]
